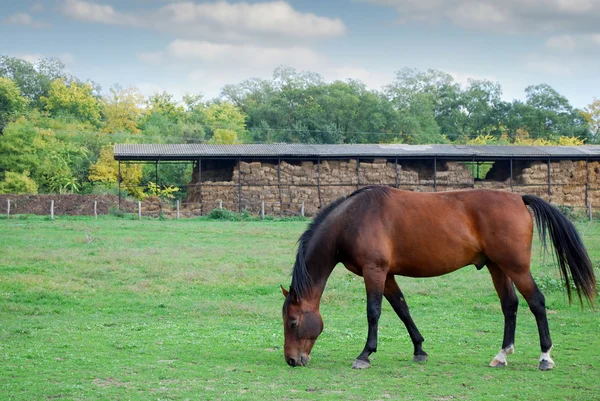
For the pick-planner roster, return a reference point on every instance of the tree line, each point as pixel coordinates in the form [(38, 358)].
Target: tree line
[(57, 130)]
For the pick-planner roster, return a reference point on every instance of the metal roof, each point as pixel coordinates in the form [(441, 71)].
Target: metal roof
[(182, 152)]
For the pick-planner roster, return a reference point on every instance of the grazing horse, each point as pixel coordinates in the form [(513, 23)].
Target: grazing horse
[(378, 232)]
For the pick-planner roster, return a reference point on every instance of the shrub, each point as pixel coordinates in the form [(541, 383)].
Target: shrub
[(15, 183)]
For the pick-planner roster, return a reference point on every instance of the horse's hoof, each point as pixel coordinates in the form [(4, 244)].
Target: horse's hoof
[(498, 364), (420, 357), (546, 365), (361, 364)]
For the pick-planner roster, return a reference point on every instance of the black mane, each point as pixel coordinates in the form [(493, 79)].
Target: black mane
[(301, 280)]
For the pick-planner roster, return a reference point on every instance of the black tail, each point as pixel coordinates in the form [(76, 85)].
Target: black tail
[(568, 247)]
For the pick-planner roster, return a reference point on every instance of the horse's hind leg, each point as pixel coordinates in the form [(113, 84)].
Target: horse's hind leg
[(537, 304), (510, 303), (395, 297)]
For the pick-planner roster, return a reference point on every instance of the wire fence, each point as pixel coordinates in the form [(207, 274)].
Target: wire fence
[(241, 199)]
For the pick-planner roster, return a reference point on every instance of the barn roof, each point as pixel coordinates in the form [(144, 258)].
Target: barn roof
[(183, 152)]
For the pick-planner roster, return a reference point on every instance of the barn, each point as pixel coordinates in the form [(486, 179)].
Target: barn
[(290, 179)]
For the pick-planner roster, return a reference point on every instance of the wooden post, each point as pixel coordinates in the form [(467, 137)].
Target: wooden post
[(95, 209), (590, 210), (140, 210), (177, 209), (262, 210), (587, 182), (239, 185), (279, 185), (397, 180), (119, 183), (511, 174), (52, 209), (434, 174), (302, 209), (220, 204), (549, 190), (472, 164), (200, 183), (319, 182), (357, 172), (8, 209)]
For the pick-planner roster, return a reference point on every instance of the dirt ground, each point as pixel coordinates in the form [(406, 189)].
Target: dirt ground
[(66, 204)]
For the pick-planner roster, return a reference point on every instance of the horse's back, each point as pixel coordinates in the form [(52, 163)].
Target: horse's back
[(429, 234)]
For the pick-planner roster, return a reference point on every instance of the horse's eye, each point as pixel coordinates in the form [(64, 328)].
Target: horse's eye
[(294, 323)]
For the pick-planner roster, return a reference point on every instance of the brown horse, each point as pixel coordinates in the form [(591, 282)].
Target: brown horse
[(379, 232)]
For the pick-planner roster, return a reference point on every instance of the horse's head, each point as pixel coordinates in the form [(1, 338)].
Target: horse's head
[(302, 324)]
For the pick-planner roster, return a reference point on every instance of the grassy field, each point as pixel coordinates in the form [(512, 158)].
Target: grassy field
[(119, 309)]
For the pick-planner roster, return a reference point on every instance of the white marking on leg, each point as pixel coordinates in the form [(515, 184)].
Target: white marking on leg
[(545, 357), (500, 359)]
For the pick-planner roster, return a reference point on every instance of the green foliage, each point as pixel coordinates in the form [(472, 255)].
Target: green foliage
[(11, 102), (164, 193), (75, 99), (122, 110), (224, 214), (17, 183), (61, 130)]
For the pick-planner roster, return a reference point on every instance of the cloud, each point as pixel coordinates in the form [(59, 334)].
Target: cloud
[(561, 43), (23, 19), (242, 54), (29, 57), (585, 46), (372, 79), (150, 57), (94, 12), (37, 8), (223, 20), (551, 16), (548, 67), (276, 17), (67, 58)]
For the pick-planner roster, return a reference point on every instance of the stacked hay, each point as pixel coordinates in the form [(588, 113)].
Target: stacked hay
[(338, 172), (151, 206), (378, 172), (452, 176), (567, 178)]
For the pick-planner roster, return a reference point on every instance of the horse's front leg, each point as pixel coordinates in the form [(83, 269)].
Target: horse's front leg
[(374, 283)]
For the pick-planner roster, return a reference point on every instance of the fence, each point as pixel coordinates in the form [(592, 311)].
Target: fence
[(98, 205)]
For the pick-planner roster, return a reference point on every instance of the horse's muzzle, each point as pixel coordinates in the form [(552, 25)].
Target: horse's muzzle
[(302, 361)]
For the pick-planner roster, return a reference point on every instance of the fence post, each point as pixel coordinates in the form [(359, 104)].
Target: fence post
[(52, 209), (302, 209), (220, 204), (139, 210), (96, 209), (8, 209), (590, 210), (262, 210), (177, 209)]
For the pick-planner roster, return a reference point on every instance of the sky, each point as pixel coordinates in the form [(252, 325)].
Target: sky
[(200, 46)]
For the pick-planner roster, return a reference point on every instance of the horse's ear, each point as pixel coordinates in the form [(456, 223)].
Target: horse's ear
[(285, 292)]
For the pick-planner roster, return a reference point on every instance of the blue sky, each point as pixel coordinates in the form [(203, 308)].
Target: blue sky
[(199, 46)]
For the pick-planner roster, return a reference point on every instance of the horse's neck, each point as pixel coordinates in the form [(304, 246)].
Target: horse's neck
[(320, 265)]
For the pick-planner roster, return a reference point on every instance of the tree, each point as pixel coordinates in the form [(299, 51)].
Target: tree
[(11, 102), (106, 170), (226, 122), (34, 80), (76, 100), (17, 183), (480, 103), (592, 116), (122, 110)]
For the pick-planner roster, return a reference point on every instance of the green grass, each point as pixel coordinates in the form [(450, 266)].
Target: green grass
[(119, 309)]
